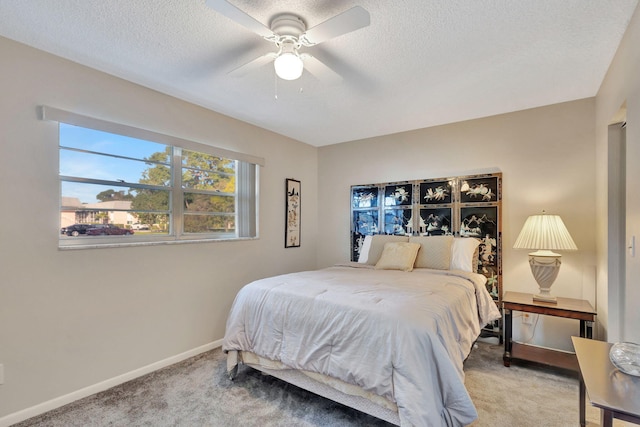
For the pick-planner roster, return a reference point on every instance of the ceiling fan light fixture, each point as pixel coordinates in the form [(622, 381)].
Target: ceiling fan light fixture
[(288, 66), (289, 33)]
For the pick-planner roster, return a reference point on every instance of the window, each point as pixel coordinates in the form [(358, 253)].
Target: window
[(123, 185)]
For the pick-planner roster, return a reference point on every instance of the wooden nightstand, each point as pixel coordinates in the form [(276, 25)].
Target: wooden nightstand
[(565, 307)]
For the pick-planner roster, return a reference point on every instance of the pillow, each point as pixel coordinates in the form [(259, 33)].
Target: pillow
[(377, 246), (398, 256), (435, 251), (364, 250), (464, 254)]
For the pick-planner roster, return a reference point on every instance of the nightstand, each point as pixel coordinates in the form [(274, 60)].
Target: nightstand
[(565, 307)]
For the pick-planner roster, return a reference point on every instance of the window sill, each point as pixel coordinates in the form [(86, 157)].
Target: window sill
[(150, 243)]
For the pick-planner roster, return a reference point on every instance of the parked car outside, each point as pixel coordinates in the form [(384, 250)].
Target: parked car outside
[(138, 226), (77, 229), (107, 230)]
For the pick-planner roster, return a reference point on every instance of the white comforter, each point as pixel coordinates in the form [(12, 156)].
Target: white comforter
[(401, 335)]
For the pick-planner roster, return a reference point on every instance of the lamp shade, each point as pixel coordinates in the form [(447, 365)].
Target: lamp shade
[(545, 232)]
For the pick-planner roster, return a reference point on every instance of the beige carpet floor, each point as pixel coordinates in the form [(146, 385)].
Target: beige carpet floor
[(196, 392)]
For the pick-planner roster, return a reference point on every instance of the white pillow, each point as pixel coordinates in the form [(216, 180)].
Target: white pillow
[(435, 251), (377, 246), (398, 256), (364, 251), (463, 251)]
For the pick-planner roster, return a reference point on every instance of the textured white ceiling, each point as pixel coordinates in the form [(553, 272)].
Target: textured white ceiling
[(420, 63)]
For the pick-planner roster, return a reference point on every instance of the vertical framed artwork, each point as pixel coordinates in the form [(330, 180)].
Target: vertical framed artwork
[(483, 223), (292, 218), (365, 215)]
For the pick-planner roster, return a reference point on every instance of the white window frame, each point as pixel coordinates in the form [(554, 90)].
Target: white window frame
[(247, 185)]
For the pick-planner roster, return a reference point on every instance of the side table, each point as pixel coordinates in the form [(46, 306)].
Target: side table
[(615, 393), (565, 307)]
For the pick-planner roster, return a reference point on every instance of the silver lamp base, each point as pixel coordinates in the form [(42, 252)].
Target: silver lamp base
[(545, 266)]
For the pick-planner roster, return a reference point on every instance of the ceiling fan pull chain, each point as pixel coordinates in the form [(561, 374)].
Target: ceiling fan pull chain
[(275, 85)]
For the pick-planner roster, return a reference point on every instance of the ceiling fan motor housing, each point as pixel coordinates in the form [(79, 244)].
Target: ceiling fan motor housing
[(288, 25)]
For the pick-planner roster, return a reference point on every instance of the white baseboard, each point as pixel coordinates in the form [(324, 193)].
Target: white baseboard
[(41, 408)]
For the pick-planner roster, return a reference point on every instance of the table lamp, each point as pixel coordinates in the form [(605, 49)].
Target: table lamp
[(545, 233)]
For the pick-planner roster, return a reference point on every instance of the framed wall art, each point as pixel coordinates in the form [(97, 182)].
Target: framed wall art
[(435, 192), (435, 222), (365, 197), (483, 189), (482, 222), (366, 222), (292, 218), (365, 215), (398, 194), (398, 221)]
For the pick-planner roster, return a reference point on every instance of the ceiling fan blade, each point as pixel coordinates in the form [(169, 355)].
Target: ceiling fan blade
[(252, 65), (350, 20), (320, 69), (230, 11)]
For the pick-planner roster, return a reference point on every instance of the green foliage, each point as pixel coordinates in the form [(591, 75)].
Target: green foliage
[(154, 200), (205, 172), (157, 174), (209, 223), (109, 195), (199, 172)]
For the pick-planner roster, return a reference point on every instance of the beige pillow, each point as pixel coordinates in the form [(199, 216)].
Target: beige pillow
[(435, 251), (377, 246), (398, 256), (464, 254)]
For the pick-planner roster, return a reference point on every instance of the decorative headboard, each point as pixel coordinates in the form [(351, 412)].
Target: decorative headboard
[(463, 206)]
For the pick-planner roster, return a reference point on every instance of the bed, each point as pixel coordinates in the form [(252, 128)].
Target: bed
[(387, 336)]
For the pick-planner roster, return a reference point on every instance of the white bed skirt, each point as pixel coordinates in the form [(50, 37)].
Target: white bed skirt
[(331, 388)]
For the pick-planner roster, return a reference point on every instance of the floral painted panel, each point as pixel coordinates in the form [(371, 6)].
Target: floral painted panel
[(365, 197), (398, 195), (435, 192), (479, 190)]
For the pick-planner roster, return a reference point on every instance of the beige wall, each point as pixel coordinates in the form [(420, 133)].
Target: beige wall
[(547, 157), (71, 319), (619, 300), (65, 324)]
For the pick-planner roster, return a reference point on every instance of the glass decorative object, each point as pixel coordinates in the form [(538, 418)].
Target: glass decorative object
[(626, 357)]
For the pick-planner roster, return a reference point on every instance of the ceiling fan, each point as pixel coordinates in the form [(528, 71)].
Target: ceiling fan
[(289, 33)]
